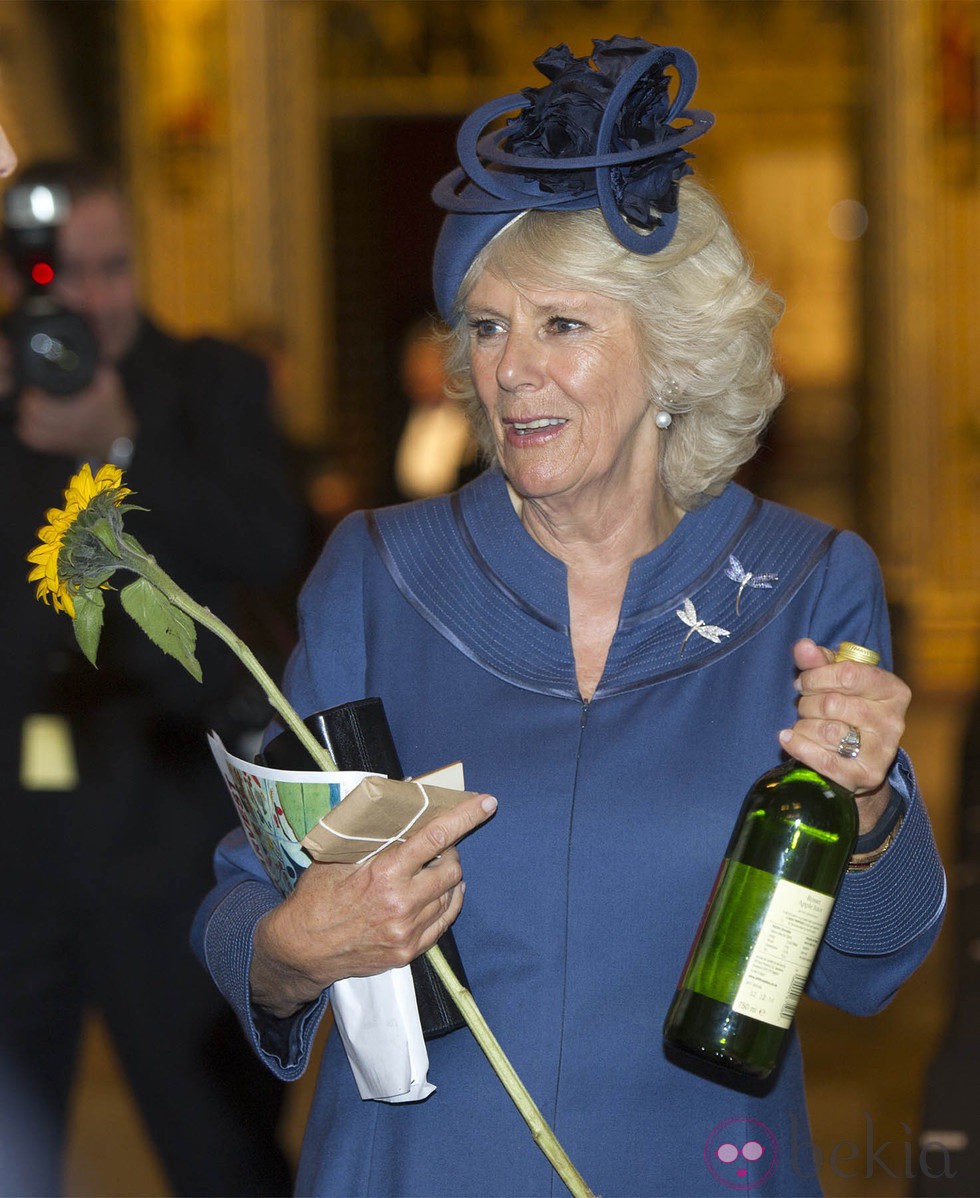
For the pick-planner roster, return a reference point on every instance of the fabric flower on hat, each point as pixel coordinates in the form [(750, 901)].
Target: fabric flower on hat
[(562, 121)]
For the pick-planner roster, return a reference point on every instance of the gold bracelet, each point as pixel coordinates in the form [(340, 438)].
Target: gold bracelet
[(859, 862)]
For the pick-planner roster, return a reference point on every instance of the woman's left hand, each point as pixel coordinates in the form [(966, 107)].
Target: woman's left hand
[(834, 698)]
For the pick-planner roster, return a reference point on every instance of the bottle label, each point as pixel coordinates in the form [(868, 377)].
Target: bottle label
[(780, 960)]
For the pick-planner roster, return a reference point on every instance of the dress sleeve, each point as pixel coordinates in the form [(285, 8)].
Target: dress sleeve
[(328, 665), (888, 916), (327, 662), (222, 938)]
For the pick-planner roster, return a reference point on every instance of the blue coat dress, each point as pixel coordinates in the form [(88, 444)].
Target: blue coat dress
[(585, 889)]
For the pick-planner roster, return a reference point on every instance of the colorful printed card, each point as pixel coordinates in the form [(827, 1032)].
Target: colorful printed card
[(278, 807)]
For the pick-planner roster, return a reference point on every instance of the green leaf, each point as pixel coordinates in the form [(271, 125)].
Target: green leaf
[(103, 530), (166, 626), (89, 606)]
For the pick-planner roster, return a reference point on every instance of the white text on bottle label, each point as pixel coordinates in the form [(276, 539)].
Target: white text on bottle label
[(780, 961)]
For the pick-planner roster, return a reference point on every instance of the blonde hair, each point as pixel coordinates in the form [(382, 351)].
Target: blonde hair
[(701, 318)]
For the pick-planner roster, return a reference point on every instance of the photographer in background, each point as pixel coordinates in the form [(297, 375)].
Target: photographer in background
[(106, 773)]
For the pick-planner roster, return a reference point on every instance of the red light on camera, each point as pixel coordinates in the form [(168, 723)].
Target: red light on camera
[(42, 274)]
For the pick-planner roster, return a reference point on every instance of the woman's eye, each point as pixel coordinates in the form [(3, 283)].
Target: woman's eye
[(482, 327), (564, 324)]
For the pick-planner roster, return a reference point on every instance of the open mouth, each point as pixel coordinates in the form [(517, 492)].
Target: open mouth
[(525, 428)]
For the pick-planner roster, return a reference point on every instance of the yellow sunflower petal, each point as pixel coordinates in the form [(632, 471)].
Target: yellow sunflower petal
[(83, 483), (45, 559), (108, 478), (83, 490)]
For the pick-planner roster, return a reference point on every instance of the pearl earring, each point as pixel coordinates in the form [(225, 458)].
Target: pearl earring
[(663, 419)]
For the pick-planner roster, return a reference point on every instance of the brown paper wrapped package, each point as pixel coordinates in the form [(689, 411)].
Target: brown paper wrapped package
[(375, 811)]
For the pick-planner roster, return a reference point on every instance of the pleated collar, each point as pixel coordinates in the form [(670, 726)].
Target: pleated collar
[(468, 565)]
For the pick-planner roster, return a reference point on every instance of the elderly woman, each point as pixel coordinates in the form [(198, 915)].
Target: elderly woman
[(615, 353)]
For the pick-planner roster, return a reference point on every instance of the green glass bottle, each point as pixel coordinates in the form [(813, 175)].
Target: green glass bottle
[(766, 916)]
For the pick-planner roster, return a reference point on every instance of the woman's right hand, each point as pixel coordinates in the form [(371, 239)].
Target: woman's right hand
[(346, 921)]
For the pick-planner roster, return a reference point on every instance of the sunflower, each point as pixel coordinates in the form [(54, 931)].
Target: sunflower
[(81, 491)]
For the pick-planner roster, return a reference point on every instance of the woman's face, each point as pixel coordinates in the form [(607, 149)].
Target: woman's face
[(558, 372)]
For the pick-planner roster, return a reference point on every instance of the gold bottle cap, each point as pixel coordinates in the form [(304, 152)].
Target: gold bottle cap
[(848, 651)]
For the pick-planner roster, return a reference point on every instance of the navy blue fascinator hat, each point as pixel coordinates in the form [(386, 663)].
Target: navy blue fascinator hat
[(600, 134)]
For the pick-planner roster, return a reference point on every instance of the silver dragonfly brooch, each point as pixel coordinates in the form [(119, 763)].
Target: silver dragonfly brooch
[(745, 578), (710, 632)]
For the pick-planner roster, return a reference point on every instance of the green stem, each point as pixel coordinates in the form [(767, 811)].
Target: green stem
[(543, 1136)]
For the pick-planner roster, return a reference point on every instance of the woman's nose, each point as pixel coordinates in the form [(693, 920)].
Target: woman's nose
[(8, 159), (520, 364)]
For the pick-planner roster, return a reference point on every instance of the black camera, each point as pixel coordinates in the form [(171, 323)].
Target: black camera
[(52, 347)]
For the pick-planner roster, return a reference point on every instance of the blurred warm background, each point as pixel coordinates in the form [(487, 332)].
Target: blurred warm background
[(281, 153)]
